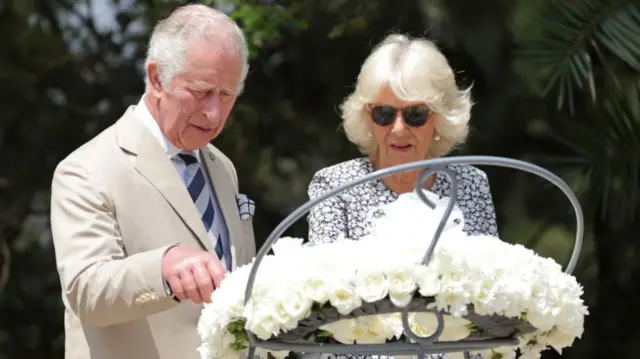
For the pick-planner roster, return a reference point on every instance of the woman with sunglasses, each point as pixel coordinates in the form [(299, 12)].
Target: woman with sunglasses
[(406, 107)]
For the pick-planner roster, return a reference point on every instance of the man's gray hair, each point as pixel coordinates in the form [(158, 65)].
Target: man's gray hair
[(171, 36)]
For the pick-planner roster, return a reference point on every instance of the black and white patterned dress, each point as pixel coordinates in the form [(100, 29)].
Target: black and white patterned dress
[(348, 214)]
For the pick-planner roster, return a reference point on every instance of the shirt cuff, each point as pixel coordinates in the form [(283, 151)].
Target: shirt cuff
[(167, 287)]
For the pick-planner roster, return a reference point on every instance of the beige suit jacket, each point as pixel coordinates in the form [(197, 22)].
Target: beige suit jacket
[(117, 203)]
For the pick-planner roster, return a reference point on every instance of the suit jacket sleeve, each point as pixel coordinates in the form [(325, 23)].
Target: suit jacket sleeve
[(101, 284)]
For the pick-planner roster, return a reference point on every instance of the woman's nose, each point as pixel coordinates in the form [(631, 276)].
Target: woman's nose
[(399, 127)]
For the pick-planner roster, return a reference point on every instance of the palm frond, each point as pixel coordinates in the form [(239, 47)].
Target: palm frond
[(620, 33), (572, 42), (605, 148)]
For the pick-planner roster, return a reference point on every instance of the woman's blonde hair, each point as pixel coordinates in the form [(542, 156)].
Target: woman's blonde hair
[(415, 70)]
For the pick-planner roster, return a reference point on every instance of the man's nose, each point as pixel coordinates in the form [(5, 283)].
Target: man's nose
[(211, 107)]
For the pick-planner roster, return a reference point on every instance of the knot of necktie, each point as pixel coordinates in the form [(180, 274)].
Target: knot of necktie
[(188, 158)]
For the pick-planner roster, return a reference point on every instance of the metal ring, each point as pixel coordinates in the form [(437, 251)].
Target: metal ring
[(439, 165)]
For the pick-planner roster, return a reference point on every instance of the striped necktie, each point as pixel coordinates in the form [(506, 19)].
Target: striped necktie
[(199, 192)]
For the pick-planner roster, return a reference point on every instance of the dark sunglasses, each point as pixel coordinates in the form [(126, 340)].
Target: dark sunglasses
[(385, 115)]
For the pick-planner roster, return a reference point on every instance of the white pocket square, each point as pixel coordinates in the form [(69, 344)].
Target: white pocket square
[(246, 206)]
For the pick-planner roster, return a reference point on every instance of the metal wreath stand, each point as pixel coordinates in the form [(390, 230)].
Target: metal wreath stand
[(497, 331)]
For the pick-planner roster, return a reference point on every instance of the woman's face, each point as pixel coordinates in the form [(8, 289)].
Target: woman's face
[(403, 130)]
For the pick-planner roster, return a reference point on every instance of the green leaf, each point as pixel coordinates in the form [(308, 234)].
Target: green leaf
[(236, 327), (323, 334), (605, 144), (571, 33), (239, 344), (473, 328), (316, 307), (263, 24)]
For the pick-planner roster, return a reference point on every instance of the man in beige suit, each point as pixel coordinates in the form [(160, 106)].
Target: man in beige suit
[(146, 216)]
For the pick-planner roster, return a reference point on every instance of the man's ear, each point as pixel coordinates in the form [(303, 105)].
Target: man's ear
[(154, 79)]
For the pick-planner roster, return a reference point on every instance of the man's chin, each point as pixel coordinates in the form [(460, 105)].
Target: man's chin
[(192, 144), (195, 140)]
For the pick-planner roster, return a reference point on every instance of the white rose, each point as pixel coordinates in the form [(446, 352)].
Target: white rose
[(483, 296), (262, 322), (314, 287), (393, 322), (542, 320), (265, 328), (426, 323), (420, 330), (370, 330), (206, 352), (341, 330), (400, 299), (454, 297), (503, 353), (454, 333), (218, 346), (558, 339), (207, 324), (234, 311), (427, 280), (531, 345), (297, 305), (530, 355), (283, 317), (343, 297), (401, 285), (371, 285), (263, 353)]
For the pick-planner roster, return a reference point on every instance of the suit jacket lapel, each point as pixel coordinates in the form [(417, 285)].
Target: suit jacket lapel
[(153, 164), (225, 194)]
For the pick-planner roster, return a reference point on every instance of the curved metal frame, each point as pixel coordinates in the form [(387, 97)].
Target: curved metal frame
[(422, 345)]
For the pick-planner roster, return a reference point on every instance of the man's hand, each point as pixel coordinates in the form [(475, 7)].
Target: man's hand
[(192, 273)]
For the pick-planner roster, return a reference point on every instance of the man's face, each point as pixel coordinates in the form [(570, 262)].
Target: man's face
[(194, 110)]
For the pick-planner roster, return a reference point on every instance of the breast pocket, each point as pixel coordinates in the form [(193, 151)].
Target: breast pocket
[(247, 228), (246, 246)]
